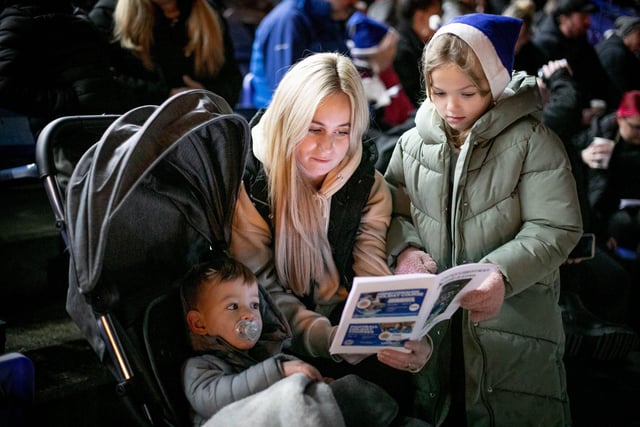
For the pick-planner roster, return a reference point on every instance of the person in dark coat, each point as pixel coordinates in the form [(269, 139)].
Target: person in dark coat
[(597, 286), (167, 42), (623, 179), (528, 57), (563, 34), (618, 208), (619, 52), (417, 22), (52, 64)]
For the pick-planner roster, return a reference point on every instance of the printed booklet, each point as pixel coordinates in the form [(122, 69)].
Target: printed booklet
[(385, 311)]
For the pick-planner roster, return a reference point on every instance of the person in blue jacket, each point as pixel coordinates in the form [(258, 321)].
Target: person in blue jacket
[(292, 30)]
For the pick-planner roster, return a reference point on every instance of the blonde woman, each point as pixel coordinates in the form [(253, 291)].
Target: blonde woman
[(314, 212), (185, 42)]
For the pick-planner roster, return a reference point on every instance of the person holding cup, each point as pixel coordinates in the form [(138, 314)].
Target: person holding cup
[(619, 204), (598, 153), (596, 144)]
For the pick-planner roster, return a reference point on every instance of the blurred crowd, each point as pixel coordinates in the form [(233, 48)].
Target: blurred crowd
[(65, 57)]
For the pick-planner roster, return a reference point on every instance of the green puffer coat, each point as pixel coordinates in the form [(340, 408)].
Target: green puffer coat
[(512, 202)]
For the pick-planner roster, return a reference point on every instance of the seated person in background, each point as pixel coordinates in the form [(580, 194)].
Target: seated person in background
[(178, 44), (596, 145), (417, 22), (610, 149), (52, 64), (243, 17), (618, 53), (292, 30), (453, 8), (619, 204), (373, 48), (528, 57), (238, 335), (597, 286), (562, 33)]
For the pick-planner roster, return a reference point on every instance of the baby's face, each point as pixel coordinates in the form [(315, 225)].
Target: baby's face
[(222, 305)]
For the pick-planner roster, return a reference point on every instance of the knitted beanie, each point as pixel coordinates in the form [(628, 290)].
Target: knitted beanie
[(492, 38), (630, 104), (627, 24), (364, 35)]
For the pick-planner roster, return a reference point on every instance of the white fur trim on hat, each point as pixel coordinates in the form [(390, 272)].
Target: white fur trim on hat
[(492, 38), (497, 75)]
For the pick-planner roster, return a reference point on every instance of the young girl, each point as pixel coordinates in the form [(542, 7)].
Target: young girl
[(480, 179), (313, 212)]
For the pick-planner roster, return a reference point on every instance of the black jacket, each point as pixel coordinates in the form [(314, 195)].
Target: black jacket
[(52, 63), (168, 55), (408, 64), (593, 81), (620, 63)]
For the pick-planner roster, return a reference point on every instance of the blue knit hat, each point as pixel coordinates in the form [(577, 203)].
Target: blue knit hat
[(492, 38), (364, 34)]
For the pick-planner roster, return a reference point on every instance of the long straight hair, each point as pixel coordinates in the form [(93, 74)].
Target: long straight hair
[(133, 28), (302, 252)]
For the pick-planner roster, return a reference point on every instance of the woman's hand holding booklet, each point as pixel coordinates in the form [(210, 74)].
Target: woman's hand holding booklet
[(386, 311)]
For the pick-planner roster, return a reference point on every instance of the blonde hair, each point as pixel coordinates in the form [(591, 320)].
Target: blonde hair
[(447, 49), (133, 28), (522, 9), (302, 251)]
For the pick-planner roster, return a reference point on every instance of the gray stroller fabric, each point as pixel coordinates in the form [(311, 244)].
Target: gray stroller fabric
[(155, 195)]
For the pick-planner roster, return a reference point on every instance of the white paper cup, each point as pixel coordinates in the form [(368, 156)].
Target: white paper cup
[(598, 106), (605, 148)]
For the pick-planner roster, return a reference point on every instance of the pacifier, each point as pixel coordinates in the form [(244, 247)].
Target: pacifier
[(247, 329)]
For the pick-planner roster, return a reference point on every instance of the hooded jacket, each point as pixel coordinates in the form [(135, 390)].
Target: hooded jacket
[(621, 64), (52, 64), (252, 243), (509, 200)]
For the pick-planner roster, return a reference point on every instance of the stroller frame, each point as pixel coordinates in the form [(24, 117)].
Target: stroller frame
[(186, 158)]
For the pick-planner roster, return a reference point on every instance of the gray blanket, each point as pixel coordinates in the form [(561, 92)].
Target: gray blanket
[(293, 401)]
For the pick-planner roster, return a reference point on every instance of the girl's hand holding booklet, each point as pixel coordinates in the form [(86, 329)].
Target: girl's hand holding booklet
[(385, 311)]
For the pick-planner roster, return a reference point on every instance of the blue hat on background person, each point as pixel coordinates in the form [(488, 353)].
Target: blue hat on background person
[(492, 38), (366, 36)]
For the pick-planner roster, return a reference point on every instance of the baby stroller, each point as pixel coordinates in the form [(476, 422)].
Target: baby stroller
[(152, 197)]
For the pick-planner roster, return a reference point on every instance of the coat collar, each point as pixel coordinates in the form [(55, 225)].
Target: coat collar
[(521, 98)]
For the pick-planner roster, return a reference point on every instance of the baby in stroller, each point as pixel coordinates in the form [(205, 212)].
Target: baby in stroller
[(238, 335)]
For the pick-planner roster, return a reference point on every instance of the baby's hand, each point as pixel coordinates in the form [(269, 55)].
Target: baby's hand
[(291, 367)]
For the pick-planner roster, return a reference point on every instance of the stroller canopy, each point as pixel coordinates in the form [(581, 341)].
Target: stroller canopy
[(155, 195)]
